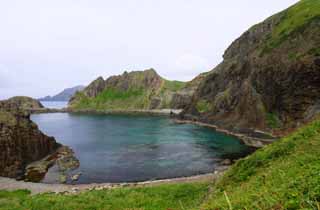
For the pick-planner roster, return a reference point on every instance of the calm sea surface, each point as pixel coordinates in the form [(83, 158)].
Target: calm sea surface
[(124, 148), (55, 104)]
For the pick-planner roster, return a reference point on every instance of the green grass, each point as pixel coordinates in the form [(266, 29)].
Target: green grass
[(131, 99), (172, 86), (163, 197), (283, 175), (203, 106), (114, 99), (273, 120), (294, 19)]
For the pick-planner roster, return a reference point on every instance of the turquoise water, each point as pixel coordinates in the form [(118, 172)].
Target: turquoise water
[(125, 148)]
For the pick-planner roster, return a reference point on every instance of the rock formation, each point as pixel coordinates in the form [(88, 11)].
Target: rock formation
[(21, 142), (23, 102), (269, 78), (134, 90)]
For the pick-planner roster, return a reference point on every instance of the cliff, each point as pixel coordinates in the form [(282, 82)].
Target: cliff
[(134, 90), (269, 78), (64, 95), (21, 142)]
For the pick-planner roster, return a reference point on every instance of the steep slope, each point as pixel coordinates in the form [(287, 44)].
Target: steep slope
[(283, 175), (129, 91), (21, 142), (269, 78), (64, 95)]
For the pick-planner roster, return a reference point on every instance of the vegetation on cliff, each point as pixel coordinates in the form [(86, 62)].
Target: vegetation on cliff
[(270, 76), (129, 91)]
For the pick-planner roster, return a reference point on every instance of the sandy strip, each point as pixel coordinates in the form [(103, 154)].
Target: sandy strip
[(36, 188)]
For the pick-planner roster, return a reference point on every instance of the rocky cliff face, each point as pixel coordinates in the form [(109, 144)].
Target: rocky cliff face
[(270, 76), (21, 142), (134, 90)]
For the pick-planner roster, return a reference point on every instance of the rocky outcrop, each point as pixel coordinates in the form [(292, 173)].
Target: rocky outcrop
[(23, 102), (21, 142), (133, 91), (269, 78)]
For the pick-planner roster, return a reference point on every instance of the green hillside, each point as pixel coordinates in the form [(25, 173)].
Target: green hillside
[(129, 91), (284, 175)]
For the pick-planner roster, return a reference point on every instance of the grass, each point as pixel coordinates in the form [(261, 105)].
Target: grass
[(163, 197), (172, 86), (114, 99), (273, 120), (294, 19), (283, 175), (203, 106), (131, 99)]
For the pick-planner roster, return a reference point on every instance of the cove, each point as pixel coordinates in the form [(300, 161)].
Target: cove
[(129, 148)]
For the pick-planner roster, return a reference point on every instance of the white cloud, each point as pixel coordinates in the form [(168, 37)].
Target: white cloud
[(50, 45)]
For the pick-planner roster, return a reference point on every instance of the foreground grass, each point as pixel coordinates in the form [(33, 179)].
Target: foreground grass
[(284, 175), (167, 196)]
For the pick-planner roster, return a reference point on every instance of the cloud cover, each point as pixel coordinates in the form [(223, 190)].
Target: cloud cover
[(47, 46)]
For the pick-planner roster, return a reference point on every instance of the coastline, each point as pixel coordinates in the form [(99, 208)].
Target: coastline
[(246, 139), (120, 111), (11, 184)]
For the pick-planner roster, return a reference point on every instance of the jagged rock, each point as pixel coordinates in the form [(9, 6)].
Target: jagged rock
[(264, 82), (21, 142), (134, 90), (63, 157)]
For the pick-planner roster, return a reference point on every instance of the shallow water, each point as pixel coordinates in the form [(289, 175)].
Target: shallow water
[(125, 148)]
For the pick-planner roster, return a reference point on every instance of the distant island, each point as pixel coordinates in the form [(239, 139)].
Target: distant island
[(64, 95)]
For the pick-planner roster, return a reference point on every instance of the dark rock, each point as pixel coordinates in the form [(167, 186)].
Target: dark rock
[(21, 142), (259, 89)]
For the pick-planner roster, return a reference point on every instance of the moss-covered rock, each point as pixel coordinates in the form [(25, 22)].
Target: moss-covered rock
[(131, 91)]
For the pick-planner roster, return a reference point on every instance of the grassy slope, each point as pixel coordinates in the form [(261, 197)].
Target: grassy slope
[(131, 99), (167, 196), (284, 175), (294, 19)]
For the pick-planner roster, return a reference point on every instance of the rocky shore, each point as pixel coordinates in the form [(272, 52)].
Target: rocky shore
[(250, 138)]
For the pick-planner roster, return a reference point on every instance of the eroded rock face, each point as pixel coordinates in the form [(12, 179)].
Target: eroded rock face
[(135, 90), (263, 87), (21, 142)]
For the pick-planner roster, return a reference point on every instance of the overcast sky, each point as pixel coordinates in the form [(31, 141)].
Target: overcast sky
[(49, 45)]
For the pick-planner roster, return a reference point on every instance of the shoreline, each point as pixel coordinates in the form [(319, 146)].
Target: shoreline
[(120, 111), (246, 139), (11, 184)]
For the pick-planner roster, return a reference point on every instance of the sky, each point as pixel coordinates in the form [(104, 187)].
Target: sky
[(46, 46)]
